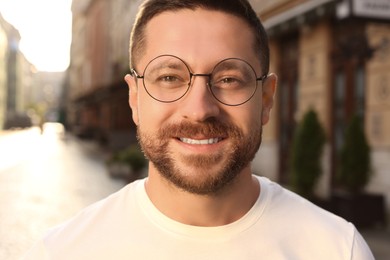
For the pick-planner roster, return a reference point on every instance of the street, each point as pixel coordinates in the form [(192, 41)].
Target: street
[(44, 180)]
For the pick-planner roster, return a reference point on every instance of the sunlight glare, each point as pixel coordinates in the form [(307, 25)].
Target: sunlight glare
[(45, 29)]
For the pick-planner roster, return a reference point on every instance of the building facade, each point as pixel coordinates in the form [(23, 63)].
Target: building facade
[(332, 56), (15, 71), (99, 61), (3, 71)]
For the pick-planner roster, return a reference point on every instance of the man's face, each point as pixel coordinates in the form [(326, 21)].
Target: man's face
[(197, 143)]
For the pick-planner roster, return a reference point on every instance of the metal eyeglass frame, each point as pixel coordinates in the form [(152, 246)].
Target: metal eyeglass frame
[(133, 72)]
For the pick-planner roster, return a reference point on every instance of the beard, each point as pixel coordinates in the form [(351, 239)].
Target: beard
[(198, 173)]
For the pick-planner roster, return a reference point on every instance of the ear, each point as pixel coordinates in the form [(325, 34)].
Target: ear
[(269, 87), (133, 96)]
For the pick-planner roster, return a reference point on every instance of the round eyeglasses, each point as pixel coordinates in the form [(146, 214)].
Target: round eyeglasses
[(168, 78)]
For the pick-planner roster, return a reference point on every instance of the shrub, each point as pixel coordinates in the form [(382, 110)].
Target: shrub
[(131, 156), (354, 164), (307, 148)]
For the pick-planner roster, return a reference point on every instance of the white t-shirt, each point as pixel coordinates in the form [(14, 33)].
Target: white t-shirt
[(126, 225)]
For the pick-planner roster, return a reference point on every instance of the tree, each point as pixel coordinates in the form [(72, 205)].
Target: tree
[(355, 164), (306, 153)]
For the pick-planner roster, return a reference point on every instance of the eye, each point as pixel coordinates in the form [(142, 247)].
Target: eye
[(168, 78), (170, 81), (229, 80)]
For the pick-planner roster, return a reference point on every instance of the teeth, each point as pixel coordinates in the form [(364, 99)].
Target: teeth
[(204, 141)]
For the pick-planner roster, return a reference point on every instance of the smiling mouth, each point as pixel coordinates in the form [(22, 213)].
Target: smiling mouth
[(200, 142)]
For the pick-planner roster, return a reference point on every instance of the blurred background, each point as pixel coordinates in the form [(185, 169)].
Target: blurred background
[(67, 138)]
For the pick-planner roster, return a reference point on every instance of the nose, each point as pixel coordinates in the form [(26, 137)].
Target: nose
[(199, 104)]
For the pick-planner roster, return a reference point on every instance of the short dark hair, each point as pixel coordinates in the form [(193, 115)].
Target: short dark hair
[(238, 8)]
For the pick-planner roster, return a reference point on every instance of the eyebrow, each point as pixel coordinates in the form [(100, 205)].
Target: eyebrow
[(167, 65)]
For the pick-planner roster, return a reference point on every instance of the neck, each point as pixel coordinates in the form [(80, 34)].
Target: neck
[(219, 209)]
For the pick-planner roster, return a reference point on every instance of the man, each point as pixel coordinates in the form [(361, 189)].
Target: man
[(200, 93)]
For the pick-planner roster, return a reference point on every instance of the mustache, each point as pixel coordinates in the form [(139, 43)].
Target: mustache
[(210, 128)]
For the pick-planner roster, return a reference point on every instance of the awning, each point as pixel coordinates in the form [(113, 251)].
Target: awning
[(298, 11)]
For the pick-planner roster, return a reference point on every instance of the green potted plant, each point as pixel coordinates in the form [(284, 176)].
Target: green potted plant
[(128, 163), (354, 161), (352, 202), (306, 154)]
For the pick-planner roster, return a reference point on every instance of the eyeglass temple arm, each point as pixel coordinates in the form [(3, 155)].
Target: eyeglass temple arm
[(262, 78), (134, 73)]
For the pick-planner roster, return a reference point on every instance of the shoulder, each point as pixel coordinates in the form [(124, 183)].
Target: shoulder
[(281, 200), (96, 222), (292, 216)]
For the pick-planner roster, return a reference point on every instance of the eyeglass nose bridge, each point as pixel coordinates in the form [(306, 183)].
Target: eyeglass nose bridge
[(192, 75)]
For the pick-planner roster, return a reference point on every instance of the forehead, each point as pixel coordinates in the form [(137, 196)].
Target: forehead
[(199, 36)]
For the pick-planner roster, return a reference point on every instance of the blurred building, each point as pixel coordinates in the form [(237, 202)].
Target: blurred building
[(3, 71), (15, 71), (99, 62), (45, 95), (330, 55)]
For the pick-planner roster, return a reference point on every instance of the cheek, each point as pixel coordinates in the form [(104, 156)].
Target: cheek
[(247, 119), (148, 116), (251, 112), (151, 113)]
